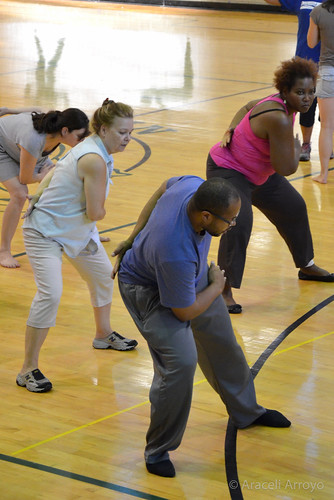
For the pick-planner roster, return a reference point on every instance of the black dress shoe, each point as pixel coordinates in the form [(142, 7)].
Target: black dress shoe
[(234, 309), (327, 278)]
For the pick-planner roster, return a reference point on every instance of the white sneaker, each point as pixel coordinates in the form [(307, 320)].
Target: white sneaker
[(115, 341), (34, 381)]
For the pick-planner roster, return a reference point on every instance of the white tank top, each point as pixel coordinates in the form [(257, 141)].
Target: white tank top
[(60, 213)]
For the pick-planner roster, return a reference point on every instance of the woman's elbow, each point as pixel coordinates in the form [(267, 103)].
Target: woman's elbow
[(24, 179), (96, 215), (288, 170)]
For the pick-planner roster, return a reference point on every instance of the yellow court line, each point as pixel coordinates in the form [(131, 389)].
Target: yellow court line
[(303, 343), (90, 423), (81, 427), (146, 402)]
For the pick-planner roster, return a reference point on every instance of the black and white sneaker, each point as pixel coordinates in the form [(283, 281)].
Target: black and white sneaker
[(34, 381), (115, 341)]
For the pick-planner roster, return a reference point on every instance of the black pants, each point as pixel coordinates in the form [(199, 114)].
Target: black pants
[(280, 203)]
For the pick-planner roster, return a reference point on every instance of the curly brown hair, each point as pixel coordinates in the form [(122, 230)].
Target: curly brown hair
[(289, 71)]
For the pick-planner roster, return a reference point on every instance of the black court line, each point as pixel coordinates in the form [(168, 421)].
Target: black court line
[(147, 154), (172, 108), (231, 467), (80, 477), (185, 76), (308, 175), (118, 227), (258, 32)]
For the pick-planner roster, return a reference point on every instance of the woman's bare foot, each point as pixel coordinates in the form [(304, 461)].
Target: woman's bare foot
[(7, 260), (322, 179), (104, 239)]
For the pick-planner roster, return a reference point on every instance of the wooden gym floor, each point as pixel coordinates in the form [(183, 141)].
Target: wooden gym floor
[(185, 72)]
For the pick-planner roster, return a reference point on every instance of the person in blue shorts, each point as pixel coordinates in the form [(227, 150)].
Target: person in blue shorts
[(303, 9), (175, 301), (322, 28)]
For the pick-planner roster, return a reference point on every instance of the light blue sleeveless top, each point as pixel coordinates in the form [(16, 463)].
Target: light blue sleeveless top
[(60, 213)]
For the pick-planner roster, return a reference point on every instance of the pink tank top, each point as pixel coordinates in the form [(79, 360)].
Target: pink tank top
[(247, 153)]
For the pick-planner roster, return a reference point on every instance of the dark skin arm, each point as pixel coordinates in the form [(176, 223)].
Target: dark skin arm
[(216, 276), (236, 120), (277, 128), (204, 298), (141, 223)]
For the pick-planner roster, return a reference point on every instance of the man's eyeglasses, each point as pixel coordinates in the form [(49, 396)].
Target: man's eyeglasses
[(231, 222)]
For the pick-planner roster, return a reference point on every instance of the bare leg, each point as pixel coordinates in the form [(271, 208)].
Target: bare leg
[(96, 271), (227, 294), (18, 194), (105, 336), (232, 306), (326, 110), (102, 321), (34, 340)]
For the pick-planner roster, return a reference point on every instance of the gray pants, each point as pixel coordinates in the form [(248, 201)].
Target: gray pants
[(176, 347)]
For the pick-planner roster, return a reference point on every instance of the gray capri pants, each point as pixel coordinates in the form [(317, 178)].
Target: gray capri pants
[(175, 347), (9, 168), (45, 256)]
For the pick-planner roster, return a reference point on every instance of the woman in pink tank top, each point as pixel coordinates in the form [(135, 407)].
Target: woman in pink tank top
[(257, 153)]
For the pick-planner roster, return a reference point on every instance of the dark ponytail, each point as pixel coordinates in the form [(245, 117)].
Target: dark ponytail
[(53, 121), (328, 5)]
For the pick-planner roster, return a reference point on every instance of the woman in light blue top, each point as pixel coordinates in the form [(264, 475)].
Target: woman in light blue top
[(26, 140), (63, 221)]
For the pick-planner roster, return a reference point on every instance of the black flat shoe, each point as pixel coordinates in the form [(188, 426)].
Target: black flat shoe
[(328, 278), (234, 309)]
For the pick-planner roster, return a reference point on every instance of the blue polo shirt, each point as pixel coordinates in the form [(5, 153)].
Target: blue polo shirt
[(168, 254)]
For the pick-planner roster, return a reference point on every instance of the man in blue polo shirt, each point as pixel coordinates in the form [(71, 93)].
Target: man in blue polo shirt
[(175, 301)]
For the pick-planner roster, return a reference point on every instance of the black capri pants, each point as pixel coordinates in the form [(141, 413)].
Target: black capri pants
[(280, 203)]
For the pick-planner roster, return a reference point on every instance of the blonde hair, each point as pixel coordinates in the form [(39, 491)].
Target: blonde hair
[(106, 114)]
